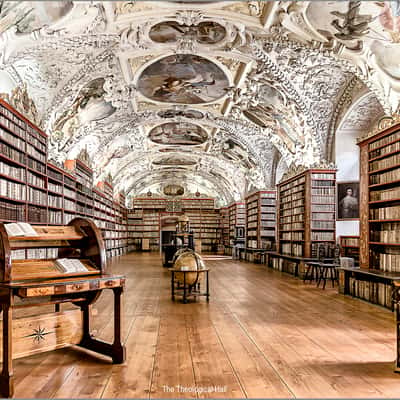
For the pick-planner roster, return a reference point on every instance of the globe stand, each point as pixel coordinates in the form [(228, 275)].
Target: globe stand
[(185, 290)]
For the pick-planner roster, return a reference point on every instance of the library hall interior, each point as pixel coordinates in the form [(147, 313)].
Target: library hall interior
[(200, 199)]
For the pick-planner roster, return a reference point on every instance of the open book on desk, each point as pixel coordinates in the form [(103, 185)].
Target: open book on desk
[(20, 229), (69, 265)]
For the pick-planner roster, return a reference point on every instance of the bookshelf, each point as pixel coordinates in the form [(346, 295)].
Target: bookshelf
[(41, 192), (237, 219), (350, 247), (261, 220), (306, 212), (224, 223), (379, 219)]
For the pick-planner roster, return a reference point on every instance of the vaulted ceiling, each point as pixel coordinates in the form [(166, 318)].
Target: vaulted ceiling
[(218, 97)]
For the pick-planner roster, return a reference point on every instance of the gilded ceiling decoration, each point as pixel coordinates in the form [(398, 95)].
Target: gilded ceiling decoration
[(218, 97)]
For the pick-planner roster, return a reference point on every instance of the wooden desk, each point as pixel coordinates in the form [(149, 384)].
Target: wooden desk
[(186, 290), (35, 283)]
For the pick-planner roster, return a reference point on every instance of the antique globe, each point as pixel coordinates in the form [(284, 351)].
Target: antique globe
[(187, 259)]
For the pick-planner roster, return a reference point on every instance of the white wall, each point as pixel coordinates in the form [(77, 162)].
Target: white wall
[(7, 84), (348, 163)]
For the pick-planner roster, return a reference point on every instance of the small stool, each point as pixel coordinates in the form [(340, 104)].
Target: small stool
[(311, 271), (324, 271)]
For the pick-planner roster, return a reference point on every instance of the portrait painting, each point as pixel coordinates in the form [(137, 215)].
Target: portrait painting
[(348, 200), (178, 133), (183, 79)]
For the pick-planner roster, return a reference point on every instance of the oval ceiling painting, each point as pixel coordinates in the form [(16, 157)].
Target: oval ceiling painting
[(174, 159), (173, 190), (178, 133), (207, 32), (183, 79)]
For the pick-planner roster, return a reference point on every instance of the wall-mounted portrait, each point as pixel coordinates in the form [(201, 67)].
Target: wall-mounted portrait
[(348, 200)]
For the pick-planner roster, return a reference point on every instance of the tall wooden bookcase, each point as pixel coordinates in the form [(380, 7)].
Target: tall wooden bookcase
[(306, 212), (380, 200), (237, 220), (261, 219)]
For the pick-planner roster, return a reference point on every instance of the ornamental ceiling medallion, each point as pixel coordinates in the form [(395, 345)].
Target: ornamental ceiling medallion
[(183, 79), (178, 133)]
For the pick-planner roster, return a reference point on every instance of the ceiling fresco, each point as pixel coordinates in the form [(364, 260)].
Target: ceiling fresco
[(183, 79), (219, 97), (178, 134)]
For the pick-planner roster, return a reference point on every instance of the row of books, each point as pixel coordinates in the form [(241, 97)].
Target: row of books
[(294, 210), (267, 224), (292, 249), (69, 193), (325, 191), (292, 236), (322, 224), (328, 236), (55, 188), (385, 150), (12, 190), (385, 213), (292, 197), (14, 172), (69, 205), (350, 241), (55, 217), (384, 177), (294, 185), (37, 214), (386, 194), (292, 226), (318, 175), (324, 200), (387, 233), (32, 151), (36, 165), (322, 207), (12, 153), (35, 180), (387, 162), (36, 196), (386, 262), (321, 183), (374, 292), (13, 212), (12, 139), (323, 216), (11, 123), (385, 140)]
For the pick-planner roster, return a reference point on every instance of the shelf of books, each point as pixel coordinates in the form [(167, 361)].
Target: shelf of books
[(261, 219), (350, 247), (237, 219), (224, 224), (306, 214), (41, 192), (379, 217)]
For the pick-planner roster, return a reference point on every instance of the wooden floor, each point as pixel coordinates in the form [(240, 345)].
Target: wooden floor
[(263, 334)]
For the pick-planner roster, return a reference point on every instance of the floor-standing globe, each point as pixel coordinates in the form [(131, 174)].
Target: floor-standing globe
[(188, 260)]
